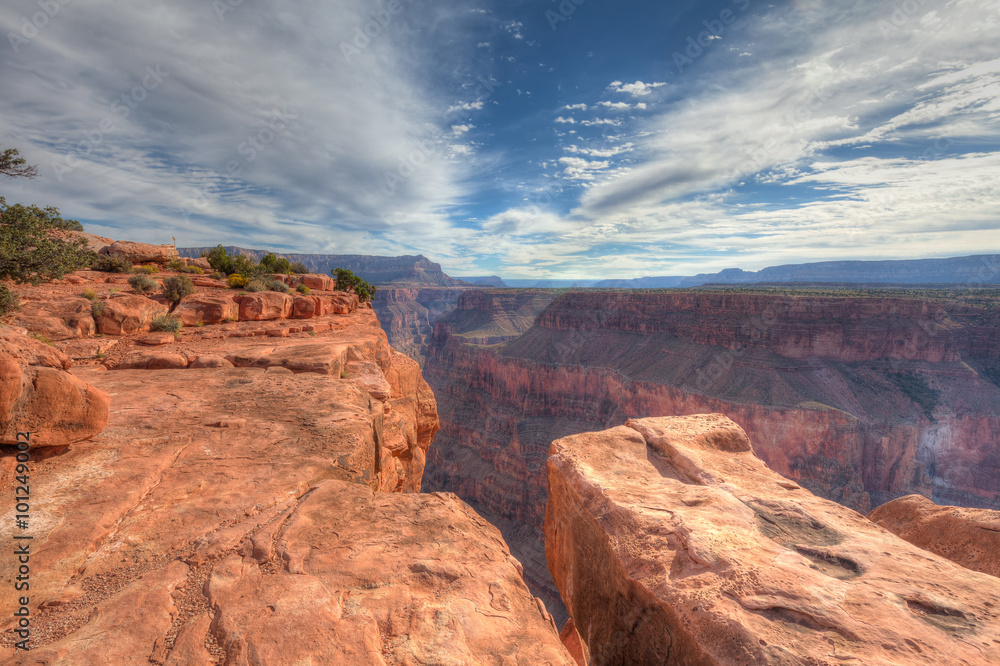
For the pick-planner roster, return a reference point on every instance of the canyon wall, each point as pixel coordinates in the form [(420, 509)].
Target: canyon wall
[(859, 400)]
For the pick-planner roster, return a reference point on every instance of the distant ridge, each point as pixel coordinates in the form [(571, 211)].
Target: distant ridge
[(411, 269), (975, 269)]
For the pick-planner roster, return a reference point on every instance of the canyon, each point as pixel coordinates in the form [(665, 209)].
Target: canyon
[(860, 399)]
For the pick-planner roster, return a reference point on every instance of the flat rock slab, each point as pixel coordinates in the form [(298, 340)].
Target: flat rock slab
[(671, 542), (969, 537)]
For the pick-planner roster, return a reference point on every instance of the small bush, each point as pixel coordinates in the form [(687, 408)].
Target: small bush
[(302, 289), (255, 285), (9, 301), (237, 281), (267, 284), (299, 268), (163, 322), (97, 310), (143, 284), (218, 276), (193, 269), (177, 287), (41, 337), (278, 285), (176, 265), (148, 270), (111, 264), (91, 294)]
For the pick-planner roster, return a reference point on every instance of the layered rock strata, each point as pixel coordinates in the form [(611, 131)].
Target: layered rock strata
[(672, 543)]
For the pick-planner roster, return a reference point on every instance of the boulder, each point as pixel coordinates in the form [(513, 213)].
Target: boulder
[(207, 308), (128, 313), (969, 537), (340, 302), (671, 542), (318, 281), (265, 305), (304, 307), (202, 263), (210, 361), (59, 319), (37, 395), (142, 252)]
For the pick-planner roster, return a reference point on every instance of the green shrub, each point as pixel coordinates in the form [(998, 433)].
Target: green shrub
[(143, 284), (218, 276), (193, 269), (299, 268), (28, 253), (97, 309), (41, 337), (177, 265), (267, 284), (348, 281), (274, 264), (90, 294), (164, 322), (177, 287), (10, 302), (148, 269), (107, 263), (302, 289)]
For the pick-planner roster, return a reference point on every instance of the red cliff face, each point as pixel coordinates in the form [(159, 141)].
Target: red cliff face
[(407, 314), (860, 400)]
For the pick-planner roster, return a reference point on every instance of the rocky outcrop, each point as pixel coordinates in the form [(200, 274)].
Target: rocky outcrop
[(139, 253), (408, 314), (969, 537), (39, 396), (61, 319), (859, 401), (671, 542), (207, 309), (126, 313)]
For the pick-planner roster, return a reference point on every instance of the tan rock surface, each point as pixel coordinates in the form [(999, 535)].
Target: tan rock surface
[(265, 305), (969, 537), (671, 542), (128, 313), (59, 319), (143, 252), (37, 395)]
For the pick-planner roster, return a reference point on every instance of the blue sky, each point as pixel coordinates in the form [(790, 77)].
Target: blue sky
[(544, 139)]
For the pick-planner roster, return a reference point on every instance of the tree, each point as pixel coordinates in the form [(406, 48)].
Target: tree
[(13, 165), (348, 281), (177, 287), (29, 252)]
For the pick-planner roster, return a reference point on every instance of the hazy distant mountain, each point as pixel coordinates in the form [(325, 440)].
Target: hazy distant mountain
[(665, 282), (416, 269), (485, 280)]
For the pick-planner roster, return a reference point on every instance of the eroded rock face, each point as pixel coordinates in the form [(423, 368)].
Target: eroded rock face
[(39, 396), (265, 305), (969, 537), (207, 309), (59, 319), (671, 542), (128, 313), (142, 252)]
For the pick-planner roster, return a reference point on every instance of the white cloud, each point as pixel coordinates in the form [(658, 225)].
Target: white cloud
[(566, 121), (617, 106), (460, 129), (466, 106), (637, 89), (575, 107)]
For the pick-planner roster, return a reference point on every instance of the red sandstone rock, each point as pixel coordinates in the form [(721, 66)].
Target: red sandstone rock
[(265, 305), (969, 537), (128, 313), (200, 262), (207, 308), (671, 542), (37, 395), (142, 252), (304, 307), (318, 282), (339, 302), (58, 319), (210, 361)]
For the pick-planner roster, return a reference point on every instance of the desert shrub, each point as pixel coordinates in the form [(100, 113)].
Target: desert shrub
[(143, 284), (107, 263), (148, 269), (220, 260), (90, 294), (275, 264), (28, 253), (302, 289), (299, 268), (10, 302), (348, 281), (177, 287), (218, 276), (267, 284), (237, 281), (97, 309), (41, 337), (193, 269), (176, 265), (164, 322)]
